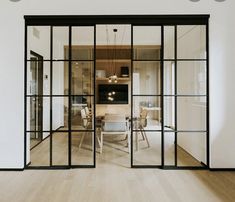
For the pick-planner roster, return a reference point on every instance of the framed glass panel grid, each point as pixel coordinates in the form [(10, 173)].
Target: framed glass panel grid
[(182, 94), (52, 91)]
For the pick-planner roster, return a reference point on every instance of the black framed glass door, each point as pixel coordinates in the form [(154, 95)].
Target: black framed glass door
[(146, 96), (67, 96), (169, 94)]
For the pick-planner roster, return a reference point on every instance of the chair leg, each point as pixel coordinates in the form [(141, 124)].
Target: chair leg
[(146, 138), (142, 133), (101, 142), (81, 141), (137, 140), (129, 142)]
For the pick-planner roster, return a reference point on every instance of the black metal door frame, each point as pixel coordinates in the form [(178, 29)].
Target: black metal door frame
[(133, 20)]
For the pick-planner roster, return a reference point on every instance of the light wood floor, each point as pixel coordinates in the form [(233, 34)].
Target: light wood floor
[(113, 180), (115, 151), (112, 183)]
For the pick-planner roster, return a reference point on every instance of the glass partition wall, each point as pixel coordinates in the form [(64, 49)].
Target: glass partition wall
[(168, 93)]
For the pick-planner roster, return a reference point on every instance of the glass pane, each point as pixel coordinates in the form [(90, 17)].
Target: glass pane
[(37, 113), (191, 78), (105, 34), (60, 148), (38, 41), (191, 149), (60, 42), (59, 113), (82, 148), (146, 78), (191, 113), (169, 113), (169, 78), (147, 112), (169, 42), (38, 78), (82, 113), (46, 114), (82, 78), (191, 42), (60, 78), (39, 154), (147, 42), (144, 153), (169, 148), (82, 43)]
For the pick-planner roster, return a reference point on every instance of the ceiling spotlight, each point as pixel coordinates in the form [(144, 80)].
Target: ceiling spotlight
[(113, 93)]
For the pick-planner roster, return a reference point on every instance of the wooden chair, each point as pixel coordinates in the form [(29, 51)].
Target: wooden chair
[(114, 124), (141, 123), (87, 123)]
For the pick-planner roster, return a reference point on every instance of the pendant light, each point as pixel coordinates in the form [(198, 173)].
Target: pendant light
[(113, 78)]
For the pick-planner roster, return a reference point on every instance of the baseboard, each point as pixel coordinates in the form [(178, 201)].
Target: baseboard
[(222, 169), (11, 169)]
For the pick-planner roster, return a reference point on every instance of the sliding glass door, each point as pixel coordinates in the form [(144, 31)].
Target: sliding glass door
[(146, 96), (164, 60), (66, 94), (169, 96)]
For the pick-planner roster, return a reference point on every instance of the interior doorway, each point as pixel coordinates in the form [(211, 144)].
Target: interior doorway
[(36, 104), (119, 90)]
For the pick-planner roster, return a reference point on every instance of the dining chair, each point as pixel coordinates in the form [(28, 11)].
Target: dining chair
[(115, 124)]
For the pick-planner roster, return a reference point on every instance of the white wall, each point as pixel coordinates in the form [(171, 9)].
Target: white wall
[(222, 64)]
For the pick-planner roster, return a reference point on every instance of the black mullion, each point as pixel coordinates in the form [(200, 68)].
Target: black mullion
[(60, 95), (189, 59), (77, 60), (25, 93), (208, 96), (162, 97), (159, 95), (175, 70), (94, 100), (132, 55), (165, 60), (51, 82), (169, 131), (36, 100), (69, 101), (185, 95)]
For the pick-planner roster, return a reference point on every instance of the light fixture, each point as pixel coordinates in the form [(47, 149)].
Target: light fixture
[(110, 94), (113, 78)]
